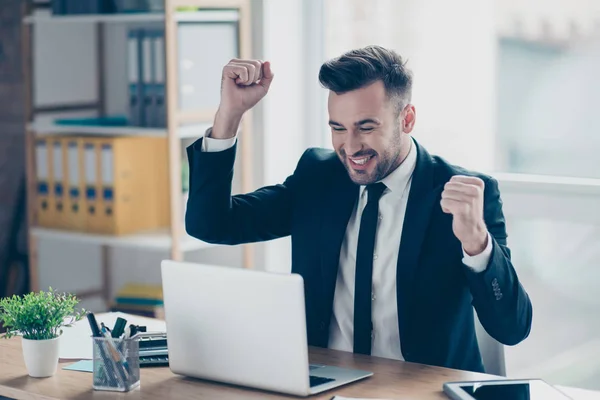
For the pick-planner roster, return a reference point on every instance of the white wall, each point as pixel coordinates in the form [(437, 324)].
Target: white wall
[(284, 135), (450, 46)]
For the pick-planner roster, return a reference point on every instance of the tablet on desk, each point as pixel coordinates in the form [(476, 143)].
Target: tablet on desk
[(513, 389)]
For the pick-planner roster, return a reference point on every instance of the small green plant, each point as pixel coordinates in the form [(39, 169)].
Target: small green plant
[(38, 316)]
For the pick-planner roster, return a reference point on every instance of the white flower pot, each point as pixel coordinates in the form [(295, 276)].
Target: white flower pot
[(41, 356)]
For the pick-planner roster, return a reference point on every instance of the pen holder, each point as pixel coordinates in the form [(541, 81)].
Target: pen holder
[(116, 364)]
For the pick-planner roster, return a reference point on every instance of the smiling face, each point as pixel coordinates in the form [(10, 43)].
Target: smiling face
[(369, 134)]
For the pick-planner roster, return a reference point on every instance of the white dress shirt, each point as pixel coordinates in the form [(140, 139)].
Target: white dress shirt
[(392, 207)]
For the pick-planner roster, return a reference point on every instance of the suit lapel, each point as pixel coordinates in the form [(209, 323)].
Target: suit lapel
[(339, 204), (422, 198)]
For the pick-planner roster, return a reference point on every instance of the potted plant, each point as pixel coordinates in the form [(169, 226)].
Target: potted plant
[(39, 317)]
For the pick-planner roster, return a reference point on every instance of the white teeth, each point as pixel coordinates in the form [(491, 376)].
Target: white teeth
[(361, 161)]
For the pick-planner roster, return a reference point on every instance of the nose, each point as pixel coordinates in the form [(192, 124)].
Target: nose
[(353, 144)]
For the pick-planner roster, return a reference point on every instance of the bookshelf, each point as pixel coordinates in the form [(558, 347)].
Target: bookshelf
[(180, 124), (183, 131)]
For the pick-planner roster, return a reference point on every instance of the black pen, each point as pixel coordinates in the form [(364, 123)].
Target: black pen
[(93, 325)]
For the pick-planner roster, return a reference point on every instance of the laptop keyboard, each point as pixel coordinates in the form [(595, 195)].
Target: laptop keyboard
[(317, 380)]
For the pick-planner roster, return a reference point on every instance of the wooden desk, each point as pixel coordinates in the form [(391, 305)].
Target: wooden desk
[(392, 379)]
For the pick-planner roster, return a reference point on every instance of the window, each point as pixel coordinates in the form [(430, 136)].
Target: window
[(554, 233), (546, 139), (548, 100)]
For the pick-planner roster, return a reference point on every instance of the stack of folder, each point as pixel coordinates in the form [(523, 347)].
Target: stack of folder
[(146, 63), (102, 184), (67, 7), (140, 299), (64, 7)]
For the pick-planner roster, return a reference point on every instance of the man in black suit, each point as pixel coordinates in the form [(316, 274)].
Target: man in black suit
[(395, 246)]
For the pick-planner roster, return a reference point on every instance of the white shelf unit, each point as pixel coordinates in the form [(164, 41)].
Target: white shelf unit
[(153, 240), (181, 125), (204, 16), (183, 132)]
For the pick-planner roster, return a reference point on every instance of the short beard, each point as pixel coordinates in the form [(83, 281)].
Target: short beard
[(387, 162)]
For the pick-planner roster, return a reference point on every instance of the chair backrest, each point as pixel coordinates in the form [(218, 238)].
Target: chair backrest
[(492, 351)]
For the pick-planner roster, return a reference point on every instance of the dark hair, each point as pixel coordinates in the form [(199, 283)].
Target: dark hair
[(362, 67)]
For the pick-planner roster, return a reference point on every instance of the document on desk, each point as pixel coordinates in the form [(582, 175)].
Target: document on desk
[(76, 341), (357, 398), (81, 366), (579, 394)]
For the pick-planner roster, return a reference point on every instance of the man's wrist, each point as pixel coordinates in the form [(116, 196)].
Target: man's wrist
[(476, 246), (226, 125)]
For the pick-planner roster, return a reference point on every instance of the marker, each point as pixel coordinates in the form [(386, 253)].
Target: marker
[(119, 328)]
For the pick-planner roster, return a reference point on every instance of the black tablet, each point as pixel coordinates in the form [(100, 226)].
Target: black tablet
[(513, 389)]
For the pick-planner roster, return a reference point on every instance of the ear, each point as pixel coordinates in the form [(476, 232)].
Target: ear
[(408, 117)]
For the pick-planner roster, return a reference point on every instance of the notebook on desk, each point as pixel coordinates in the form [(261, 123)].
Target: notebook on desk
[(243, 327)]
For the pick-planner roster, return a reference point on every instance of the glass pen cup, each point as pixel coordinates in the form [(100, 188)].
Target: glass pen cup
[(116, 364)]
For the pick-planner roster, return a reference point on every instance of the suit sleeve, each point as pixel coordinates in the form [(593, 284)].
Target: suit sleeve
[(502, 304), (215, 216)]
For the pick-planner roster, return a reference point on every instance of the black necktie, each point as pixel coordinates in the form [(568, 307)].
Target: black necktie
[(364, 270)]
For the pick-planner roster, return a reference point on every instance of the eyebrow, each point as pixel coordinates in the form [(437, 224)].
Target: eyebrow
[(361, 122), (367, 121)]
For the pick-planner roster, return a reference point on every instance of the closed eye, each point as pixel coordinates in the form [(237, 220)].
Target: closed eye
[(338, 129), (366, 128)]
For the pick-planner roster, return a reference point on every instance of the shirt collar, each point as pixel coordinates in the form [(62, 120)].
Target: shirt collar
[(398, 179)]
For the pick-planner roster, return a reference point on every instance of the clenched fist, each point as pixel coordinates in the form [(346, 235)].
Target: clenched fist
[(243, 84), (463, 198)]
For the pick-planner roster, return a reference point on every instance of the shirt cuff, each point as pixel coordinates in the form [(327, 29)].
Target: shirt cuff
[(479, 262), (211, 145)]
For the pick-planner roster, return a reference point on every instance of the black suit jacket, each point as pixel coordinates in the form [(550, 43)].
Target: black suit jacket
[(436, 292)]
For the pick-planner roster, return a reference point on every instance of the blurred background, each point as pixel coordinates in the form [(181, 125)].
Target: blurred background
[(505, 87)]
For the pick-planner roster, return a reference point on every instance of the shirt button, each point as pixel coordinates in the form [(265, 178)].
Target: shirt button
[(372, 296), (380, 217), (375, 256)]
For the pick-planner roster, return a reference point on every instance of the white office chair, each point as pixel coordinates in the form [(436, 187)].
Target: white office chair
[(492, 351)]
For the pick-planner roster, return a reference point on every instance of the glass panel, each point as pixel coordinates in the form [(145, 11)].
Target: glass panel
[(548, 98), (557, 263)]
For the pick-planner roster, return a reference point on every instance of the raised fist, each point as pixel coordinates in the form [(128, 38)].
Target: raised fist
[(243, 84)]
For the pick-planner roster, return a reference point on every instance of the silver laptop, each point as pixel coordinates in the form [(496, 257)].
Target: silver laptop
[(244, 328)]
